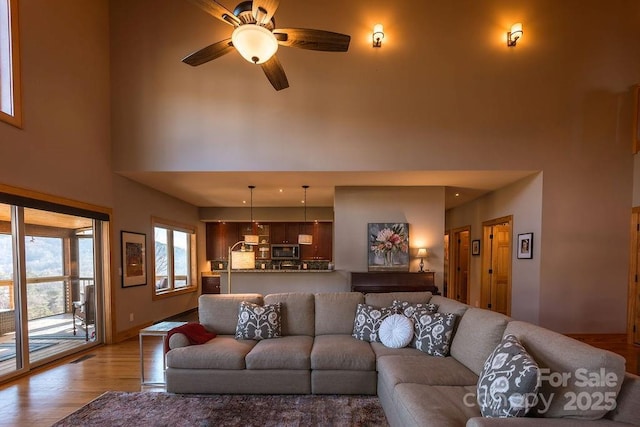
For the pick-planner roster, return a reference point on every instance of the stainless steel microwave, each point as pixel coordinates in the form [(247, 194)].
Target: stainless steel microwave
[(285, 251)]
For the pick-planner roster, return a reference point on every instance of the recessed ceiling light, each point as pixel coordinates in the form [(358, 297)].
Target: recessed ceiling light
[(244, 202), (281, 190), (457, 194)]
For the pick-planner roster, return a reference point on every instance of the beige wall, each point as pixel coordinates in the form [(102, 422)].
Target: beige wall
[(522, 200), (443, 93), (421, 207), (433, 98), (64, 148), (136, 205)]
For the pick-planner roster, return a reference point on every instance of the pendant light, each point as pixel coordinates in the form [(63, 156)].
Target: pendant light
[(305, 239), (251, 239)]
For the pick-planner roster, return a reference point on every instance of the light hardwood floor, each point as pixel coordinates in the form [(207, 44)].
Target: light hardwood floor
[(51, 393), (45, 396)]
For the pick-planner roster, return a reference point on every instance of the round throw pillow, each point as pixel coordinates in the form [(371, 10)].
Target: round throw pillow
[(396, 331)]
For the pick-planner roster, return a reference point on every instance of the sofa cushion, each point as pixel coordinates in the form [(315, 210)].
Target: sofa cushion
[(381, 350), (257, 322), (422, 369), (508, 383), (409, 309), (569, 368), (396, 331), (336, 311), (448, 305), (342, 352), (219, 313), (297, 312), (222, 352), (292, 352), (442, 406), (367, 322), (479, 332), (433, 332), (385, 299)]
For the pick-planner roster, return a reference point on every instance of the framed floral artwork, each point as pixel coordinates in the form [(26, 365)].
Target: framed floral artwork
[(388, 246)]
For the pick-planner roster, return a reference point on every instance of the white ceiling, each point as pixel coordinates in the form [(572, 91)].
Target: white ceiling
[(284, 189)]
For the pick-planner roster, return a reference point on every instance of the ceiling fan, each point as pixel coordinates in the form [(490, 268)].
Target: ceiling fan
[(256, 38)]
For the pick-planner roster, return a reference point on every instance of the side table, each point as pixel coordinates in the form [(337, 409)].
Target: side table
[(158, 330)]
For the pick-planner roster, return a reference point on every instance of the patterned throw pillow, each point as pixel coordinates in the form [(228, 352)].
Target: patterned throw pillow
[(368, 320), (508, 383), (396, 331), (256, 322), (409, 309), (433, 332)]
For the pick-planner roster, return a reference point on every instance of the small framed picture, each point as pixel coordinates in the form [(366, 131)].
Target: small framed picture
[(134, 260), (475, 247), (525, 246)]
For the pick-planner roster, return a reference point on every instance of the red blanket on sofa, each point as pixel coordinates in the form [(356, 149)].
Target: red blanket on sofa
[(195, 332)]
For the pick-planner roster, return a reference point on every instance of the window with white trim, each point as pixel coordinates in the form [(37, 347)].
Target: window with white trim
[(174, 258), (10, 101)]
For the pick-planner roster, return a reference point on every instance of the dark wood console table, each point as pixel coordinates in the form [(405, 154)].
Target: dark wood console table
[(393, 282)]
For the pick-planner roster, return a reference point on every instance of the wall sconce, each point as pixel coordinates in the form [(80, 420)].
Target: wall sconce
[(422, 253), (378, 35), (514, 34)]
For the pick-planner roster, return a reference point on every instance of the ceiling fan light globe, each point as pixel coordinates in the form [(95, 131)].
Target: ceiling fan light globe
[(256, 44)]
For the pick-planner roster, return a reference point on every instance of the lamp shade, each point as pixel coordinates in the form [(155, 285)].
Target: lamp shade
[(256, 44), (251, 239), (305, 239), (516, 30), (422, 252), (243, 260)]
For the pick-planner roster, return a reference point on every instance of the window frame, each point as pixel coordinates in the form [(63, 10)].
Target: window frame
[(193, 278), (14, 86)]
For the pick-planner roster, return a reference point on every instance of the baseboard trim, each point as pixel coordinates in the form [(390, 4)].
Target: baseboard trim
[(130, 333)]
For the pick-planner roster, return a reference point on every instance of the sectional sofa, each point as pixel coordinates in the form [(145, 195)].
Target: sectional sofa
[(316, 353)]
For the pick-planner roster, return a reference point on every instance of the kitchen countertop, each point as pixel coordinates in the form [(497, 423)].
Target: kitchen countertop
[(275, 271)]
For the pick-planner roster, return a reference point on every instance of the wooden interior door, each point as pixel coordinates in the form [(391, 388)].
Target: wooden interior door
[(460, 268), (633, 310), (496, 266)]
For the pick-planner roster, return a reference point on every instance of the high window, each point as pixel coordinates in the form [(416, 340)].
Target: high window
[(174, 258), (10, 107)]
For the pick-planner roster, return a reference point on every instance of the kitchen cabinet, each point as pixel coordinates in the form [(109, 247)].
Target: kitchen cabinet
[(285, 232), (210, 284), (221, 235), (322, 246)]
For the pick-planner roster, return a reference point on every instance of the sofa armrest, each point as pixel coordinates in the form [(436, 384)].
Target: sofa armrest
[(178, 340), (628, 403)]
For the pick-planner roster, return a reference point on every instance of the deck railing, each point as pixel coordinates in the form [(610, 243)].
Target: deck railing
[(46, 296)]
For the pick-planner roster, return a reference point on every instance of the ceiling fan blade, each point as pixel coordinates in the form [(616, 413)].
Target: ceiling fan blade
[(209, 53), (305, 38), (218, 11), (275, 73), (263, 10)]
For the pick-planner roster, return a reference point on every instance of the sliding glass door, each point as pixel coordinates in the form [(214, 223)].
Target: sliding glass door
[(50, 284), (10, 342)]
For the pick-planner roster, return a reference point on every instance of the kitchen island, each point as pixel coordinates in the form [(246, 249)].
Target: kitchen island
[(279, 281)]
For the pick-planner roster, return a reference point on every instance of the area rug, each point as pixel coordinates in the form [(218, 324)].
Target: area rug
[(166, 409), (8, 350)]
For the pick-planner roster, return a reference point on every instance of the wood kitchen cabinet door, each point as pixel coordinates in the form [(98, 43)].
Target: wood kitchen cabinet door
[(285, 232), (221, 235), (322, 246)]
